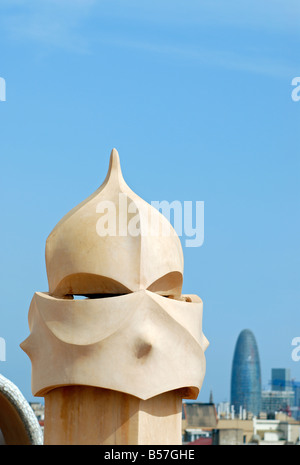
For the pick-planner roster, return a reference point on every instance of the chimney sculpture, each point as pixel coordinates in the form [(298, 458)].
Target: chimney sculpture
[(114, 366)]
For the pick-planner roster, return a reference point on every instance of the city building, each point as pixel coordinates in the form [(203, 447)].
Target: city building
[(198, 422), (201, 425), (39, 411), (296, 407), (281, 379), (284, 395), (246, 375), (281, 430), (277, 401)]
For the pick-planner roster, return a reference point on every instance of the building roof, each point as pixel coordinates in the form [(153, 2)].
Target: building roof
[(201, 442), (199, 415)]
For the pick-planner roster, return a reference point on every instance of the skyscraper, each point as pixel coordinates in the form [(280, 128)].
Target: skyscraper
[(281, 379), (246, 375), (281, 397)]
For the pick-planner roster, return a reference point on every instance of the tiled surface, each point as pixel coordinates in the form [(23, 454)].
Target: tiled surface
[(16, 398)]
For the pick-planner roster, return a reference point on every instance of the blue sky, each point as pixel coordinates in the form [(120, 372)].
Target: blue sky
[(196, 97)]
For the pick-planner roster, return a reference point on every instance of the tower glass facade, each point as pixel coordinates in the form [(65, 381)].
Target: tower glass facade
[(246, 375)]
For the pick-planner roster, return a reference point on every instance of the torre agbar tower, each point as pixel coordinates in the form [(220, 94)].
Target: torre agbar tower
[(246, 375)]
